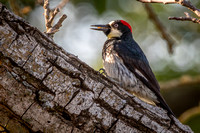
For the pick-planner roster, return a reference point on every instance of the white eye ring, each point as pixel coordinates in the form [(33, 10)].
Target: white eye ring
[(116, 25)]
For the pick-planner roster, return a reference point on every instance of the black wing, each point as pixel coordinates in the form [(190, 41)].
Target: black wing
[(135, 60)]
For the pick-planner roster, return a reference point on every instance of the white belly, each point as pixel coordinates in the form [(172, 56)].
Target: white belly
[(115, 69)]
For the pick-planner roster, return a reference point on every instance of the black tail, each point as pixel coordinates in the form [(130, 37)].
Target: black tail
[(164, 105)]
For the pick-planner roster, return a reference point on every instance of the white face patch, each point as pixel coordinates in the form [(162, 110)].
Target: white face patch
[(114, 32), (111, 22)]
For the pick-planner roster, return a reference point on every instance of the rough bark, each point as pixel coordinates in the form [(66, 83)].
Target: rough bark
[(46, 89)]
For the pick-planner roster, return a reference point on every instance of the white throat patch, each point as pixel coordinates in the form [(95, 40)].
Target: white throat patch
[(114, 33)]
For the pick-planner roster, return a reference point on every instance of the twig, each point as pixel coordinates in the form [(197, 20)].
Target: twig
[(187, 18), (158, 1), (53, 16), (50, 15), (56, 27), (189, 5), (152, 15), (46, 14), (185, 3)]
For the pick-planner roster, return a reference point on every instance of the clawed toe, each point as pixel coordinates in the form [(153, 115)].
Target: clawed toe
[(110, 78), (103, 72)]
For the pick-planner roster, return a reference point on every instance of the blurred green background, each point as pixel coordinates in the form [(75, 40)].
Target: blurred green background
[(178, 73)]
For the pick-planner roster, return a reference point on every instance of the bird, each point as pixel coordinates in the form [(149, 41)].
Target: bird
[(126, 64)]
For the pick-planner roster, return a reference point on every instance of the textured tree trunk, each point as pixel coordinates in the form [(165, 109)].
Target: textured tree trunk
[(46, 89)]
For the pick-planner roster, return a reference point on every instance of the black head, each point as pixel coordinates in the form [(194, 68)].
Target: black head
[(114, 29)]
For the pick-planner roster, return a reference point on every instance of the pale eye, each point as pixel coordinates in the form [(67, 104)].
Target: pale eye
[(115, 25)]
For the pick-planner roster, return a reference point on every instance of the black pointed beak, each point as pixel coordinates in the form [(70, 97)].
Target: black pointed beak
[(101, 27)]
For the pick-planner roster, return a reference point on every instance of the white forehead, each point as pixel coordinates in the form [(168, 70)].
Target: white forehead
[(111, 22)]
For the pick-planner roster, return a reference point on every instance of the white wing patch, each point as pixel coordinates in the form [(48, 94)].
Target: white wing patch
[(138, 72)]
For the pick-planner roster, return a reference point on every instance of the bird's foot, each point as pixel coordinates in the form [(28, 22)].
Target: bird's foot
[(103, 72), (110, 78)]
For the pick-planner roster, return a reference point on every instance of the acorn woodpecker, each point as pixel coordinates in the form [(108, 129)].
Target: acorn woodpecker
[(125, 63)]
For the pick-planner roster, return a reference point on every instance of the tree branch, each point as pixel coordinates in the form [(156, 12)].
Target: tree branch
[(57, 26), (153, 17), (186, 18), (46, 14), (185, 3), (49, 90), (50, 15), (159, 1)]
